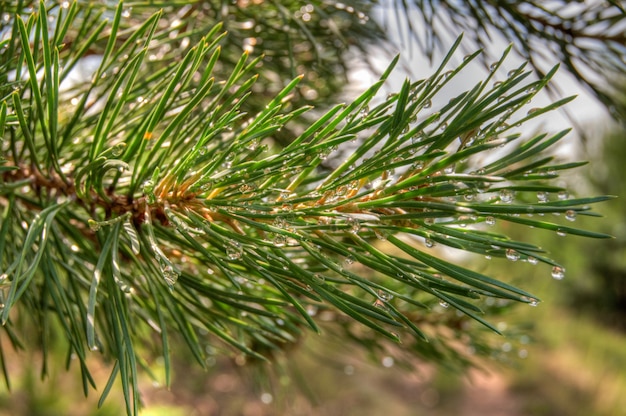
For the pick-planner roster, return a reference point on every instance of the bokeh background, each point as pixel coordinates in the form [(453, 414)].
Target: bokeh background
[(566, 357)]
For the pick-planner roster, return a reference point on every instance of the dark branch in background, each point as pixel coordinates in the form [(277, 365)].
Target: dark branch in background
[(588, 38)]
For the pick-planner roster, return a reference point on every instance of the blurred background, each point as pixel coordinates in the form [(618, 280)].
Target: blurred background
[(567, 356)]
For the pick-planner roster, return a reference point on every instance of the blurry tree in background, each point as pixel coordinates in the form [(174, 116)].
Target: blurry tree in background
[(176, 195)]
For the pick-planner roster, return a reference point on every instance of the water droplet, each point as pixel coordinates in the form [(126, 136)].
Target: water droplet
[(95, 226), (429, 243), (532, 110), (354, 225), (512, 255), (560, 232), (563, 195), (170, 274), (384, 295), (532, 260), (380, 235), (494, 66), (228, 161), (570, 215), (428, 104), (443, 304), (234, 251), (542, 196), (350, 260), (533, 302), (319, 278), (511, 73), (490, 220), (558, 272), (148, 186), (118, 149), (126, 12), (506, 196), (449, 169), (279, 240)]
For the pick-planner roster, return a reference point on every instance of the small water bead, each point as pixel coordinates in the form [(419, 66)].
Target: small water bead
[(532, 110), (228, 161), (531, 89), (279, 240), (511, 73), (558, 272), (380, 235), (444, 304), (170, 275), (234, 251), (560, 232), (118, 149), (350, 260), (570, 215), (563, 195), (384, 295), (490, 220), (512, 255), (354, 224), (93, 225), (542, 196), (532, 260), (126, 12), (429, 243), (494, 66), (428, 104), (449, 169), (506, 196), (319, 278)]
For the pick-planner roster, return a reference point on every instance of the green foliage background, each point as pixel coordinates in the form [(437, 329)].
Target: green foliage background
[(181, 194)]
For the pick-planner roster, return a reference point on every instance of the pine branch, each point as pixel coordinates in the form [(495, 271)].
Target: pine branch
[(586, 38), (151, 202)]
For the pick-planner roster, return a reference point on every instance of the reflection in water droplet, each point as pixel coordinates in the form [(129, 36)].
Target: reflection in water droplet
[(532, 260), (506, 196), (570, 215), (93, 225), (234, 250), (490, 220), (429, 243), (558, 272), (384, 295), (170, 275), (512, 255), (542, 196)]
